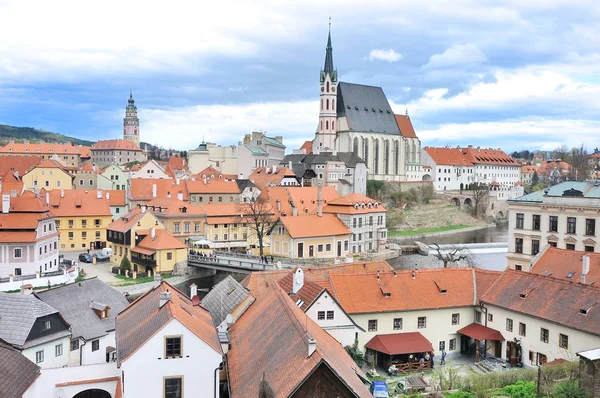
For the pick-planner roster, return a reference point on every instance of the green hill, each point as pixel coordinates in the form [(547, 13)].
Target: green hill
[(19, 134)]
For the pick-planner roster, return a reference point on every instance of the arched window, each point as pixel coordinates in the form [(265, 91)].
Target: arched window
[(366, 151), (321, 103), (326, 124), (406, 152), (327, 104), (327, 86), (414, 153), (332, 104), (386, 157), (332, 125), (321, 125), (396, 156), (355, 145), (375, 155)]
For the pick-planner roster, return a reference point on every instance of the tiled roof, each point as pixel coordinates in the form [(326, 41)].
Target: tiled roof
[(143, 318), (469, 156), (209, 172), (528, 169), (566, 265), (115, 144), (224, 298), (116, 197), (173, 206), (124, 223), (162, 241), (49, 164), (304, 199), (548, 167), (25, 213), (430, 288), (354, 203), (447, 156), (74, 303), (405, 125), (64, 203), (141, 188), (306, 295), (20, 164), (213, 185), (278, 349), (313, 226), (307, 146), (17, 373), (33, 149), (18, 313), (548, 298), (264, 176), (484, 279)]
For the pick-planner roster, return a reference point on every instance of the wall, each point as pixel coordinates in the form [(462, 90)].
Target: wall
[(50, 359), (107, 157), (194, 220), (90, 357), (340, 327), (38, 281), (165, 265), (48, 178), (147, 221), (119, 180), (85, 180), (145, 370), (226, 157), (78, 242), (278, 242), (150, 170), (206, 198)]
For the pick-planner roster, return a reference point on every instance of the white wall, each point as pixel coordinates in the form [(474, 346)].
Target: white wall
[(90, 357), (340, 327), (145, 370), (50, 359), (42, 281)]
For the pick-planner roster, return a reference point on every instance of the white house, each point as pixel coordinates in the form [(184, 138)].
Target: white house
[(151, 169), (167, 346)]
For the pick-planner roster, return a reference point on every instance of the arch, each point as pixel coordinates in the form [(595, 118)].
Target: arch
[(413, 153), (500, 216), (376, 156), (327, 86), (355, 145), (326, 124), (386, 157), (92, 393), (333, 104), (327, 104), (366, 151), (455, 202), (427, 177), (468, 202), (396, 156), (406, 152)]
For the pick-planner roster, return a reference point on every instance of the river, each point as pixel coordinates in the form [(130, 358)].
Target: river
[(487, 235)]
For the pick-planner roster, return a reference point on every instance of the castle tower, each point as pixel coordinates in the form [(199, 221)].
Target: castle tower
[(131, 123), (326, 129)]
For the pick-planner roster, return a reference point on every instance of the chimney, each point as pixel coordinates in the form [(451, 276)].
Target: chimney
[(169, 195), (5, 204), (193, 290), (319, 200), (312, 346), (274, 168), (48, 198), (298, 281), (154, 190), (290, 165), (62, 193), (241, 176), (153, 233), (107, 195), (177, 181), (279, 139), (180, 195), (585, 267), (165, 297), (98, 194)]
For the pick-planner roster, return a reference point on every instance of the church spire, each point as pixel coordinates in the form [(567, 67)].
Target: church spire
[(329, 53)]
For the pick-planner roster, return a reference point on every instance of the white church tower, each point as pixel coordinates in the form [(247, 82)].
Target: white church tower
[(326, 130), (131, 123)]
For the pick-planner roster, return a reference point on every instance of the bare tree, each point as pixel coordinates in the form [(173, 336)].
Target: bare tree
[(580, 166), (259, 216), (561, 152), (480, 196), (453, 256)]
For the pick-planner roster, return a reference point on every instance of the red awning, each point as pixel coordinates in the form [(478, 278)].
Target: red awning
[(400, 343), (480, 332)]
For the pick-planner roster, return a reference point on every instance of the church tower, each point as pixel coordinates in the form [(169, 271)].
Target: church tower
[(326, 130), (131, 123)]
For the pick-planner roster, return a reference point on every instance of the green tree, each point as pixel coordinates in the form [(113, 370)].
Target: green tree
[(570, 389), (535, 179), (374, 188), (125, 265)]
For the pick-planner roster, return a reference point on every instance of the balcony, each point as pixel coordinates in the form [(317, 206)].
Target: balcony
[(146, 262)]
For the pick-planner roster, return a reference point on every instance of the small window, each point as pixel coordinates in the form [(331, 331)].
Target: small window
[(95, 345), (422, 322), (329, 315), (563, 341), (169, 256), (490, 318), (522, 329), (477, 316), (74, 345), (58, 350), (18, 253), (509, 325), (372, 325), (397, 323), (39, 356), (47, 325), (442, 345), (173, 387), (455, 319), (320, 248), (172, 347), (321, 315), (328, 247), (452, 344), (544, 335)]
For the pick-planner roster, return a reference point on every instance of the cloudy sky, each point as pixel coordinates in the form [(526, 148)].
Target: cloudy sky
[(516, 74)]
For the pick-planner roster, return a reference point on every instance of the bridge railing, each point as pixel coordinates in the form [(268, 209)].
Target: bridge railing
[(232, 262)]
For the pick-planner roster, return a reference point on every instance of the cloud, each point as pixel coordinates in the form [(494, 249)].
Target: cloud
[(238, 89), (459, 55), (389, 55)]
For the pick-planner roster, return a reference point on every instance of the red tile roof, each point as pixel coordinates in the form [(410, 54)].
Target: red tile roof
[(141, 188), (309, 292), (303, 198), (560, 263), (405, 125), (307, 146), (172, 206), (209, 172), (314, 226), (116, 197), (115, 144), (162, 241), (11, 184), (485, 279), (469, 156), (528, 169), (400, 343), (264, 176), (354, 203), (547, 167), (20, 164), (78, 203), (547, 298), (49, 164), (480, 332), (21, 223), (124, 224), (44, 149), (278, 349), (447, 156), (144, 318)]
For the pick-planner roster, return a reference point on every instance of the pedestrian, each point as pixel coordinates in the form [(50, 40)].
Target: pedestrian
[(260, 259), (266, 260), (272, 261), (443, 360), (432, 360)]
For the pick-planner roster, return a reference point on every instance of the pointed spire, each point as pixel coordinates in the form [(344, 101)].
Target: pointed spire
[(130, 97), (329, 53)]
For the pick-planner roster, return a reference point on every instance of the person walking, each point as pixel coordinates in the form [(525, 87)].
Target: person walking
[(443, 360)]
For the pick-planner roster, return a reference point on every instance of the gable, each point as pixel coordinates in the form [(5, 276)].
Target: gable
[(323, 383)]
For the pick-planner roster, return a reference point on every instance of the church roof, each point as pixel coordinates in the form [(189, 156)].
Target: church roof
[(366, 109)]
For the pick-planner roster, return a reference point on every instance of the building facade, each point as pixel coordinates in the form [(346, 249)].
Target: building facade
[(67, 154), (48, 175), (131, 123), (119, 152)]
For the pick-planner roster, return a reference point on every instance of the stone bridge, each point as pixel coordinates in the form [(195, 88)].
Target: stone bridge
[(497, 210)]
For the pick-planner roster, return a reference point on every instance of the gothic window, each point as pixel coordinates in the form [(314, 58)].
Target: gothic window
[(327, 86), (414, 153), (396, 156), (355, 145), (327, 103), (366, 151), (321, 125), (333, 125), (386, 157), (332, 104), (375, 155), (326, 124), (406, 152), (321, 103)]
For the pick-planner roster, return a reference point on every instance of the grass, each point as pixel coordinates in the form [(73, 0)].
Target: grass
[(143, 279), (428, 230)]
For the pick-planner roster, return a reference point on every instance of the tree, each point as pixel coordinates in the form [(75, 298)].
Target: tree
[(580, 166), (259, 216), (374, 188), (480, 196), (561, 152), (125, 265), (453, 256), (535, 179)]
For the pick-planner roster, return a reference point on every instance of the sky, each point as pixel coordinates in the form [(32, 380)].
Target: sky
[(514, 74)]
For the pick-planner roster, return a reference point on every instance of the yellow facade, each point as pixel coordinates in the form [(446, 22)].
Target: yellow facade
[(283, 245), (145, 222), (232, 236), (184, 227), (47, 178), (82, 233), (167, 258)]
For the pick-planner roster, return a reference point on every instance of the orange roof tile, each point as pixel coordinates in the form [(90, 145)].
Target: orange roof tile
[(303, 198), (547, 167), (307, 146), (469, 156), (169, 206), (115, 144), (141, 188), (213, 185), (78, 203), (528, 169), (162, 240), (560, 263), (124, 224), (405, 125), (209, 172), (11, 184), (354, 203), (485, 279), (116, 197), (314, 226), (264, 176), (20, 164), (49, 164), (44, 149)]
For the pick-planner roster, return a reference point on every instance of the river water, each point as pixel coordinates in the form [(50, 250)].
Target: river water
[(487, 235)]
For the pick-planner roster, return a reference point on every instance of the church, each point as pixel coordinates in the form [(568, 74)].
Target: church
[(358, 118)]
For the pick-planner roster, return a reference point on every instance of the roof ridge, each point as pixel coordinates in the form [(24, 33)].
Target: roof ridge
[(553, 279), (302, 330)]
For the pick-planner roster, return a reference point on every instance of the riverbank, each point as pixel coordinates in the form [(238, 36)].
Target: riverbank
[(430, 232)]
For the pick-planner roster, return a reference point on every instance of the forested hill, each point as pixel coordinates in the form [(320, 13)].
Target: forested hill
[(19, 134)]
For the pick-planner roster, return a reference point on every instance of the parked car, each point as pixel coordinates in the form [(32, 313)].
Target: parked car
[(85, 257), (379, 389), (102, 257)]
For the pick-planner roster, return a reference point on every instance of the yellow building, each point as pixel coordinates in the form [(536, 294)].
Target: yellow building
[(48, 175), (181, 219), (125, 232), (81, 218), (158, 252), (311, 236)]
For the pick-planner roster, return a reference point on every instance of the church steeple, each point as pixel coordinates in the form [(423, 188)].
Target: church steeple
[(326, 130), (328, 67), (131, 123)]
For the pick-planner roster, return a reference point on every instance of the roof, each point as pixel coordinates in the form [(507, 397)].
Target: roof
[(20, 164), (528, 169), (272, 141), (307, 147), (173, 206), (480, 332), (265, 176), (592, 355), (429, 289), (140, 189), (366, 109), (212, 185), (485, 279), (11, 184), (17, 373), (307, 294), (569, 189), (49, 164), (405, 125), (548, 167), (162, 241), (116, 197), (78, 203), (224, 298), (469, 156), (74, 302), (284, 199), (354, 203), (551, 299), (314, 225), (244, 183), (59, 149), (144, 318), (278, 349), (124, 223), (115, 144), (400, 343), (566, 264), (18, 313)]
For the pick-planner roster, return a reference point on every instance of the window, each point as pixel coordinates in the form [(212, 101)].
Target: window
[(518, 245), (589, 248), (74, 345), (536, 222), (18, 253), (39, 356), (422, 322), (553, 243), (328, 247), (169, 256), (47, 325), (197, 227), (97, 222), (397, 323), (321, 315), (522, 329), (173, 387), (544, 334), (18, 271), (172, 347), (477, 316), (455, 319), (70, 223), (372, 325), (176, 225), (329, 315), (553, 223), (490, 318), (442, 345), (563, 341), (571, 225), (84, 235), (452, 344), (535, 246), (509, 325), (58, 350), (570, 246), (520, 220), (320, 248), (590, 226), (95, 345)]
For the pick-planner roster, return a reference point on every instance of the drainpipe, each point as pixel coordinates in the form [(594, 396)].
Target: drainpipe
[(81, 351), (215, 385), (484, 311)]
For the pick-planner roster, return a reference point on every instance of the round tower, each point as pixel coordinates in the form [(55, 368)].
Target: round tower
[(131, 123)]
